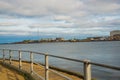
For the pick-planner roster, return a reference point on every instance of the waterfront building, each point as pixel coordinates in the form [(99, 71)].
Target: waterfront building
[(115, 32), (60, 39), (115, 35), (98, 38)]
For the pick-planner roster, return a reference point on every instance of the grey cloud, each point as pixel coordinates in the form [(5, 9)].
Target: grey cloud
[(6, 24), (103, 6), (60, 24), (72, 11), (52, 7), (38, 7), (66, 16), (13, 32)]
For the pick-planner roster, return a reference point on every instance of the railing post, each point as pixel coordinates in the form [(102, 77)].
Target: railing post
[(87, 70), (31, 62), (3, 56), (20, 62), (46, 68), (10, 56)]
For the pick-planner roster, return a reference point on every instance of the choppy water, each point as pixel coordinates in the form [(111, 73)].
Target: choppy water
[(100, 52)]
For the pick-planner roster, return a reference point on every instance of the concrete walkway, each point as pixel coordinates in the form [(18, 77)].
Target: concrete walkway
[(7, 74)]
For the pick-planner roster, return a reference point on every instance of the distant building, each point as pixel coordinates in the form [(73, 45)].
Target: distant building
[(103, 38), (60, 39), (98, 38), (95, 38), (115, 32), (115, 35)]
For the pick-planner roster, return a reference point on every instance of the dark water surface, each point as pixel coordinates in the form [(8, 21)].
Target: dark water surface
[(100, 52)]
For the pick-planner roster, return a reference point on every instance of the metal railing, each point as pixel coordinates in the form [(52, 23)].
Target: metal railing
[(86, 63)]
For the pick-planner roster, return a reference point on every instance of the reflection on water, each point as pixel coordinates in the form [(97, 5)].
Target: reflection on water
[(101, 52)]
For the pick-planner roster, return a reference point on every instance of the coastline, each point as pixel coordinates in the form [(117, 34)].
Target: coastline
[(57, 42)]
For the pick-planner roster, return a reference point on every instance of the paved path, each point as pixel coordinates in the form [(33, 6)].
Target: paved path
[(7, 74)]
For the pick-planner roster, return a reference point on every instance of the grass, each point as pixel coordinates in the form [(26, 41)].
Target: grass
[(25, 74)]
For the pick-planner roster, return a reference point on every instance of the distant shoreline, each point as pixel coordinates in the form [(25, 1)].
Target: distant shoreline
[(56, 42)]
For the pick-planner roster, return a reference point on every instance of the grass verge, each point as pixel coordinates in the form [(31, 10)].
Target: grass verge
[(25, 74)]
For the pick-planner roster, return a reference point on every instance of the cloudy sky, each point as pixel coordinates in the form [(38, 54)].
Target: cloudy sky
[(33, 19)]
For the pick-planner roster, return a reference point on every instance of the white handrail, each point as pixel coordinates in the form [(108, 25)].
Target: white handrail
[(87, 63)]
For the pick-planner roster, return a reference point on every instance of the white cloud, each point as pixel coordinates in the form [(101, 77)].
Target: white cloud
[(102, 6), (8, 24), (53, 7), (40, 7), (59, 16)]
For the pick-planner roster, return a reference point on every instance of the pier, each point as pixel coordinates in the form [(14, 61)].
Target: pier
[(7, 58)]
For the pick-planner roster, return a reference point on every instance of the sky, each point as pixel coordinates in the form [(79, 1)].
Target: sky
[(36, 19)]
